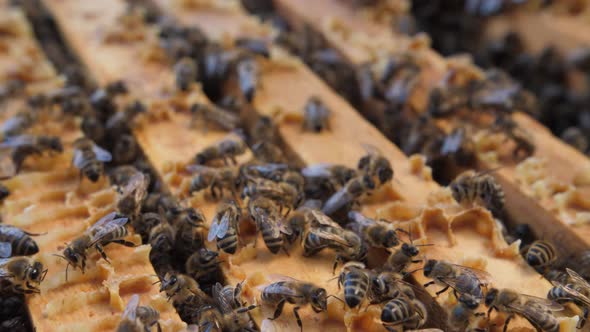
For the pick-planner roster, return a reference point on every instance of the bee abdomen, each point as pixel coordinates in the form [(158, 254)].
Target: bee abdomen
[(274, 244), (229, 243), (26, 246), (117, 234), (355, 288), (540, 254), (395, 311)]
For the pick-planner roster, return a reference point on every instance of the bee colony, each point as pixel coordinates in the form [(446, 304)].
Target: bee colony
[(281, 165)]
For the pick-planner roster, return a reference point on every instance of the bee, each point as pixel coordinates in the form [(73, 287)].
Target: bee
[(226, 149), (16, 242), (284, 194), (248, 73), (536, 310), (217, 179), (24, 273), (356, 281), (401, 258), (540, 254), (347, 245), (375, 165), (162, 239), (4, 192), (410, 313), (132, 194), (89, 158), (179, 287), (119, 123), (268, 152), (14, 150), (525, 146), (253, 45), (189, 238), (231, 295), (576, 291), (349, 193), (125, 150), (307, 216), (121, 175), (457, 146), (138, 318), (203, 265), (466, 282), (333, 176), (295, 292), (17, 124), (220, 117), (316, 116), (225, 315), (269, 171), (377, 233), (386, 286), (224, 227), (108, 229), (269, 223), (186, 73), (460, 318), (470, 186)]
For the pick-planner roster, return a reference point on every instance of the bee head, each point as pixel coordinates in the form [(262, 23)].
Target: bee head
[(410, 250), (36, 272), (491, 296), (368, 181), (429, 266), (52, 143), (72, 257), (390, 239), (93, 171), (319, 300), (194, 217), (469, 301), (168, 282)]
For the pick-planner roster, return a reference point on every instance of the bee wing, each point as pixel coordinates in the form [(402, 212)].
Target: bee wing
[(212, 230), (272, 224), (102, 221), (533, 300), (323, 219), (317, 170), (577, 279), (573, 293), (131, 308), (483, 276), (5, 249), (138, 184), (7, 165), (78, 159), (360, 219), (223, 225), (198, 168), (452, 142), (101, 154), (224, 306), (325, 233), (14, 141), (107, 228), (286, 291), (336, 201)]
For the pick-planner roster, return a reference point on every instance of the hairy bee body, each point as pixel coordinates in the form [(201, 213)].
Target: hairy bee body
[(356, 280), (540, 254), (471, 187), (411, 314)]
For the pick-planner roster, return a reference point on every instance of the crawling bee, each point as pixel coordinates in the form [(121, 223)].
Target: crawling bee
[(228, 148), (14, 150), (186, 73), (119, 123), (132, 194), (108, 229), (540, 254), (225, 315), (320, 178), (409, 313), (470, 187), (269, 171), (306, 217), (180, 288), (347, 245), (576, 291), (248, 76), (401, 258), (17, 124), (295, 292), (377, 233), (89, 158), (189, 233), (525, 146), (316, 116), (375, 165), (218, 116), (269, 222), (217, 179), (138, 318), (386, 286), (24, 273), (224, 227), (349, 194), (536, 310), (16, 242), (356, 282), (162, 239), (283, 193), (268, 152), (203, 266), (466, 282), (460, 318)]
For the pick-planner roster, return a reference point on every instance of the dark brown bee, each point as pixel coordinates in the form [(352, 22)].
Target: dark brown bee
[(4, 192), (162, 203), (186, 73), (16, 242), (322, 180), (25, 274), (387, 285), (93, 128), (356, 281), (218, 116), (470, 187), (119, 123), (400, 259), (349, 193), (269, 222), (161, 237), (284, 194), (498, 92), (145, 223), (138, 318), (17, 124), (460, 318), (89, 158), (540, 254), (14, 151), (224, 315), (224, 227), (248, 76), (189, 238), (121, 175), (216, 179), (268, 152), (295, 292), (466, 282), (347, 245), (377, 233), (306, 216), (125, 150), (409, 313), (375, 165), (132, 194), (457, 146), (203, 266), (228, 148), (525, 146), (108, 229), (316, 116), (538, 311), (575, 290), (179, 287)]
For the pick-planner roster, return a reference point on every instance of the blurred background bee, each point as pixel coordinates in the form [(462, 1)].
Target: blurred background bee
[(136, 318), (474, 187), (89, 158), (14, 150)]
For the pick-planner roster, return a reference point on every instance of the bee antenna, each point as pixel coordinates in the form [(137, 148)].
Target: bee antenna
[(60, 256), (416, 270), (336, 297), (425, 245), (333, 278), (43, 274)]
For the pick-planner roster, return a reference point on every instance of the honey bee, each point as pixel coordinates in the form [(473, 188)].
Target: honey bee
[(356, 281), (307, 216), (18, 124), (10, 89), (189, 233), (320, 178), (162, 239), (4, 192), (268, 152), (224, 227), (375, 165), (540, 254), (203, 266), (253, 45), (296, 292), (119, 123), (269, 223), (162, 236), (466, 282), (576, 291), (121, 175), (409, 313), (349, 194), (14, 150), (24, 273), (89, 158), (231, 295), (217, 179), (132, 195), (377, 233), (347, 245), (284, 194), (316, 116), (180, 287), (536, 310), (108, 229), (460, 318), (218, 116), (269, 171), (225, 149), (525, 146), (401, 258), (224, 315), (470, 186), (386, 286), (248, 73), (16, 242), (186, 73), (138, 318)]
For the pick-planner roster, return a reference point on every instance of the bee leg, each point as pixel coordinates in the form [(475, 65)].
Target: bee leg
[(158, 327), (296, 313), (102, 253), (428, 284), (279, 309), (285, 250), (506, 323), (246, 309), (583, 319), (490, 312), (442, 291), (124, 243)]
